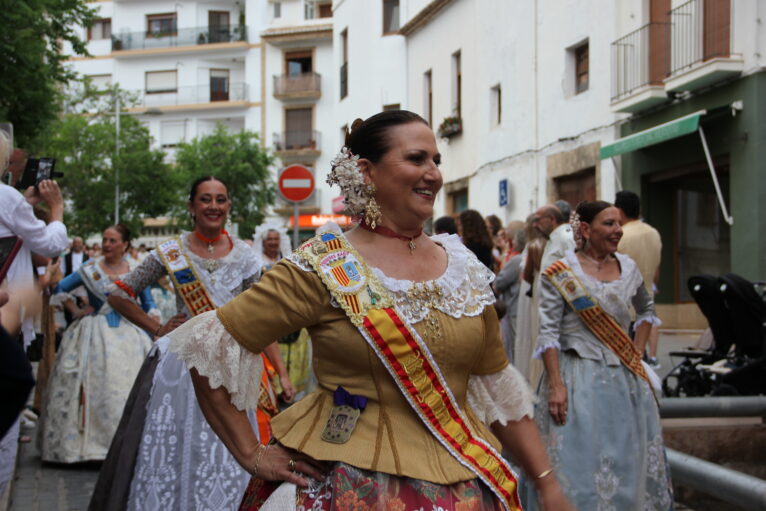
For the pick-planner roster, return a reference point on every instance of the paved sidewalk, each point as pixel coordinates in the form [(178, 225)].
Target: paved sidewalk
[(49, 487)]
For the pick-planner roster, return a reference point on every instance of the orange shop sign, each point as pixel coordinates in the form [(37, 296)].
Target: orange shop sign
[(316, 221)]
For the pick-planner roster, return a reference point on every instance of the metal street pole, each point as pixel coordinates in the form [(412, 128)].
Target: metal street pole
[(114, 161), (296, 228)]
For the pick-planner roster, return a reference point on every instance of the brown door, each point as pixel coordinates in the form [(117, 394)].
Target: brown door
[(717, 25), (218, 26), (219, 85), (659, 41), (575, 188)]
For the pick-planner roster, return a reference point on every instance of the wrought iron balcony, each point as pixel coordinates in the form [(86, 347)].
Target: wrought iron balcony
[(305, 85), (640, 59), (193, 95), (701, 31), (179, 37)]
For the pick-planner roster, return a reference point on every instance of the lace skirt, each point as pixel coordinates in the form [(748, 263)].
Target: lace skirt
[(348, 488), (609, 455), (88, 388)]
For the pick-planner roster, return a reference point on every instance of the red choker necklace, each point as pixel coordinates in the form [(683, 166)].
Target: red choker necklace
[(211, 241), (390, 233)]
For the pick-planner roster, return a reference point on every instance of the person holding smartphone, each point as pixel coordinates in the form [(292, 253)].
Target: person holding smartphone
[(17, 218)]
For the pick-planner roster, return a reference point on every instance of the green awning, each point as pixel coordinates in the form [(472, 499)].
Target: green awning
[(661, 133)]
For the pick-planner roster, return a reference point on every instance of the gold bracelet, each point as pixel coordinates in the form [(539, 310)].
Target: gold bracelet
[(258, 456), (544, 473)]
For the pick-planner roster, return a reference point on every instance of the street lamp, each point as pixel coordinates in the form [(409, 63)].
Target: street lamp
[(117, 114)]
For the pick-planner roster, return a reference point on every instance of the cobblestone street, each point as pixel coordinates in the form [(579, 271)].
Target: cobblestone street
[(50, 487)]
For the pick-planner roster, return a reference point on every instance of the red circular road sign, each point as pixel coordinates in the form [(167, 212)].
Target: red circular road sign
[(296, 183)]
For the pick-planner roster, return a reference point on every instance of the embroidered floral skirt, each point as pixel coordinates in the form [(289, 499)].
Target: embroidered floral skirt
[(609, 454), (351, 489)]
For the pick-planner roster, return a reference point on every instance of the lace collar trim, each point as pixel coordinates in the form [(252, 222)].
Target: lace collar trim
[(463, 288)]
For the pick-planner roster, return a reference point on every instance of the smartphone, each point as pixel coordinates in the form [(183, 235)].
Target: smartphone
[(36, 170)]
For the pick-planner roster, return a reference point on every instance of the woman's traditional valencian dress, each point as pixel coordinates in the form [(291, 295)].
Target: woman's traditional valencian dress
[(390, 460), (609, 455), (99, 358), (165, 456)]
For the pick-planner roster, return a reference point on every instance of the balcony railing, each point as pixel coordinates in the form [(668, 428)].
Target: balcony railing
[(297, 140), (640, 58), (193, 95), (701, 31), (180, 37), (302, 85)]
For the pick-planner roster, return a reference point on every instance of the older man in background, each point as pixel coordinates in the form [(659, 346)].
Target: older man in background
[(554, 226)]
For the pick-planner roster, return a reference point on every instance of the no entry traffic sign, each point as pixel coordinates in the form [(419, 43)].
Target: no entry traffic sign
[(296, 183)]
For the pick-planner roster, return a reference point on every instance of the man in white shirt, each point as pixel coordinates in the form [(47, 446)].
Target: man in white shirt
[(552, 224), (17, 218)]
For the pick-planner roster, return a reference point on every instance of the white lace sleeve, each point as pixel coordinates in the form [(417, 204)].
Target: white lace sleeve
[(204, 344), (500, 397)]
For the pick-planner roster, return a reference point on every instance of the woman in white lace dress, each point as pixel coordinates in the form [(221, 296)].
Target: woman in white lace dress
[(99, 358), (365, 439), (165, 456), (597, 410)]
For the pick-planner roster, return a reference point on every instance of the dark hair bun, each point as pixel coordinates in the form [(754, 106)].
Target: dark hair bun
[(369, 138)]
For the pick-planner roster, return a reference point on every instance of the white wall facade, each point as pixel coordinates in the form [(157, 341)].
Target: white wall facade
[(523, 49)]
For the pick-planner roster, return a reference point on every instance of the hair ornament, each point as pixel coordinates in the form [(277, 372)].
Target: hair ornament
[(348, 176)]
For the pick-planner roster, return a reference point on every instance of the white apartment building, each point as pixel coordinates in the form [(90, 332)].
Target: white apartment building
[(261, 65), (300, 84), (196, 64)]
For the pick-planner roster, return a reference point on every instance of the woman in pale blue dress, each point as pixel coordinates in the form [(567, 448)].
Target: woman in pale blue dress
[(99, 358), (600, 421)]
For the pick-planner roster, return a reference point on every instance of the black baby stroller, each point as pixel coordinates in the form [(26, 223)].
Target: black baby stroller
[(736, 363)]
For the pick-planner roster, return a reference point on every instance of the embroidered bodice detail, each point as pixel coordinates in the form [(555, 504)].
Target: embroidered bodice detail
[(462, 290)]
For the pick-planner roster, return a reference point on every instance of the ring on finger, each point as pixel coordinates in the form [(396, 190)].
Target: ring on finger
[(291, 465)]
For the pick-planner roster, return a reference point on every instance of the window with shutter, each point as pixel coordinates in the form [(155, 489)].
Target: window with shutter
[(161, 81)]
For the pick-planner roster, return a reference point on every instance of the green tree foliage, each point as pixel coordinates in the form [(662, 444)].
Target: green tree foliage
[(84, 146), (242, 163), (31, 61)]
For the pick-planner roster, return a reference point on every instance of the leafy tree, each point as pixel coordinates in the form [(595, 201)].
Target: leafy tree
[(83, 141), (32, 63), (242, 163)]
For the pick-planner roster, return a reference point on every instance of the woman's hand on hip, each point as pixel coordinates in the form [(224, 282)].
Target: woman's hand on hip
[(277, 463), (558, 403)]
